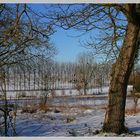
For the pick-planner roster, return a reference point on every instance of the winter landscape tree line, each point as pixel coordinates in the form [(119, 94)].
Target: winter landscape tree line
[(25, 37), (47, 74)]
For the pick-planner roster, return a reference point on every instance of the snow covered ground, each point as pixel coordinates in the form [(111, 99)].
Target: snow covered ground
[(60, 92), (54, 124), (73, 118), (65, 92)]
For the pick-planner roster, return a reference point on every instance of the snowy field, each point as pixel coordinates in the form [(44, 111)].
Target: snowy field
[(69, 116), (85, 123), (66, 92), (60, 92)]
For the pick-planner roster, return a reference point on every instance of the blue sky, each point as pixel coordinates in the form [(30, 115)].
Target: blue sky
[(68, 46), (65, 41)]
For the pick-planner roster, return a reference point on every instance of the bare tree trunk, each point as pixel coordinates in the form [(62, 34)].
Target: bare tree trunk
[(5, 108), (135, 104), (115, 114), (85, 93), (85, 88), (136, 97)]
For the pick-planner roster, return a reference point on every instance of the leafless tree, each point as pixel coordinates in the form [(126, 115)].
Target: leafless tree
[(20, 34), (22, 37), (46, 79), (84, 71), (119, 25), (103, 74)]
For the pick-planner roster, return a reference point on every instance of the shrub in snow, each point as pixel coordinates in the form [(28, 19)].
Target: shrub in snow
[(70, 119), (44, 108), (57, 111), (29, 110)]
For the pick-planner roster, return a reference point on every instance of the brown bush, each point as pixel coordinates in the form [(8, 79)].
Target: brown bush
[(44, 108), (70, 119), (30, 109), (132, 111), (137, 83), (103, 107)]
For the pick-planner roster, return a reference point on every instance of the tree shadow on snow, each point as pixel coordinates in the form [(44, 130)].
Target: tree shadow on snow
[(134, 129)]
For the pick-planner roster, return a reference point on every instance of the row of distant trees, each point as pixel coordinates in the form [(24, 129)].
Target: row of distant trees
[(47, 74)]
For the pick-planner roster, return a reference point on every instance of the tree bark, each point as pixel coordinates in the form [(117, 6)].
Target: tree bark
[(85, 88), (115, 113)]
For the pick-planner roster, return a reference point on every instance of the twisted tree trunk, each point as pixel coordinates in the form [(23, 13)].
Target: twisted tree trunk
[(115, 114)]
